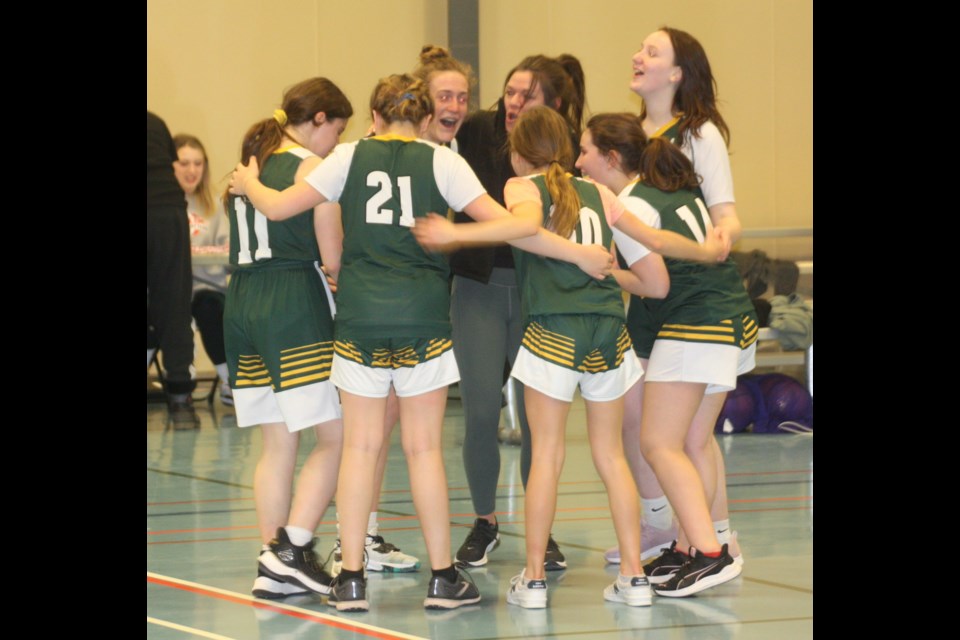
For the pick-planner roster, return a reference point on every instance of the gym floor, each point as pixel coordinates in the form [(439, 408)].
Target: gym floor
[(202, 545)]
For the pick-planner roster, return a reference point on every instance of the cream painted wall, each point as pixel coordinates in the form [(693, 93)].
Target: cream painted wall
[(761, 55), (216, 66)]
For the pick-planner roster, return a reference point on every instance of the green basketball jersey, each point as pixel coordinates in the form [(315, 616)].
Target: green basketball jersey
[(700, 293), (549, 286), (389, 286), (256, 242)]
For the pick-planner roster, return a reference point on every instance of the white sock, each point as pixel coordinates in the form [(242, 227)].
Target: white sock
[(150, 354), (264, 547), (373, 527), (722, 527), (657, 512), (223, 373), (298, 535)]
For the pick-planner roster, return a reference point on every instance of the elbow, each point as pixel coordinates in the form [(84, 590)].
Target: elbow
[(660, 289), (529, 228), (655, 245), (332, 268)]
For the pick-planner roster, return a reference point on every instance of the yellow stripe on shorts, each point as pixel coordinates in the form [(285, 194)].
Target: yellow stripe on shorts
[(306, 364), (549, 345), (721, 334), (750, 332), (251, 372), (348, 351)]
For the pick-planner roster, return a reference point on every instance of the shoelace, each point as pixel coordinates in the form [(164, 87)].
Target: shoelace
[(384, 546), (337, 548), (476, 537), (466, 574)]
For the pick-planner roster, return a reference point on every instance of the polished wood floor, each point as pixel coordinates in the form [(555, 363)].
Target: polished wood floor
[(202, 545)]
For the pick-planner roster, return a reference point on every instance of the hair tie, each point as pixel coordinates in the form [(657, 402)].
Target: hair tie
[(406, 96), (280, 116), (556, 162)]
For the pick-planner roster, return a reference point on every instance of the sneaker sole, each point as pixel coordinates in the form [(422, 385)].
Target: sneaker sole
[(392, 568), (268, 592), (441, 603), (728, 573), (528, 603), (482, 561), (270, 565), (352, 605), (634, 601)]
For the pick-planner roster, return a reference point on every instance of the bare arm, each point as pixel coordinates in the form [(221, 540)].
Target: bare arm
[(672, 244), (494, 224), (647, 277), (595, 260), (275, 205), (328, 226), (724, 217)]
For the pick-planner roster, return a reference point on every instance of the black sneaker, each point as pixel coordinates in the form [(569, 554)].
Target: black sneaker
[(451, 595), (287, 562), (349, 594), (553, 560), (698, 573), (266, 587), (482, 539), (662, 568), (180, 410)]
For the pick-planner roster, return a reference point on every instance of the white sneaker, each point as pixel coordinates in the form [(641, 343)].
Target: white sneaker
[(632, 590), (653, 542), (529, 594), (735, 553), (379, 555), (226, 394), (384, 556)]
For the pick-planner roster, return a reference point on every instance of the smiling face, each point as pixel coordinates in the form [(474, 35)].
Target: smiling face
[(654, 68), (189, 168), (518, 96), (324, 137), (450, 92)]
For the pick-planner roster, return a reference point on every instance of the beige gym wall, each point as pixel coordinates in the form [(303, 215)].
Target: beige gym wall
[(216, 66)]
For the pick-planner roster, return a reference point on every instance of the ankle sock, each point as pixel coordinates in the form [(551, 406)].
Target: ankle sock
[(298, 535), (657, 512)]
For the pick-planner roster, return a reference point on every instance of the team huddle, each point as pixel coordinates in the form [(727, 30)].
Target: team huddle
[(371, 275)]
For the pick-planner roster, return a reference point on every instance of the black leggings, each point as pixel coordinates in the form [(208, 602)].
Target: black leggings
[(207, 309)]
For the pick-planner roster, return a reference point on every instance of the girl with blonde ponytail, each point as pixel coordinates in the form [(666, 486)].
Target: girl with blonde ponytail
[(393, 315), (574, 336)]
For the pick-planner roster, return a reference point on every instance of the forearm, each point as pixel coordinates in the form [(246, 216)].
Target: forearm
[(328, 227), (725, 215), (269, 202), (666, 243), (549, 245), (503, 229)]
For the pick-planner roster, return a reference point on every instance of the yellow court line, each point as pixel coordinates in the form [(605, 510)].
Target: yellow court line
[(180, 627), (334, 621)]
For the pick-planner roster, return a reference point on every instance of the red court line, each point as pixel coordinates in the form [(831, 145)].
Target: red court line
[(499, 486), (303, 614), (606, 516)]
